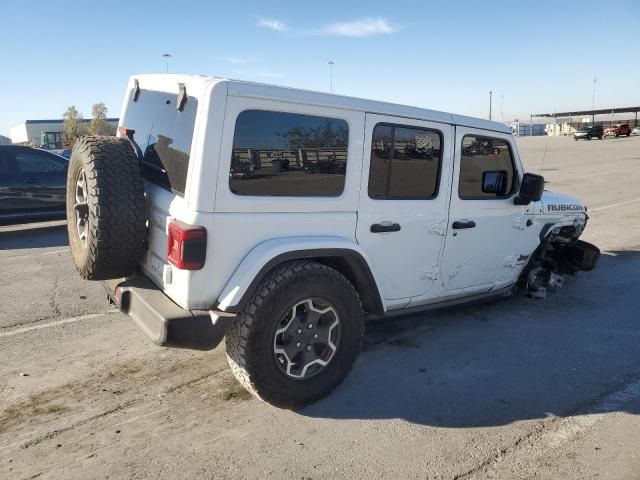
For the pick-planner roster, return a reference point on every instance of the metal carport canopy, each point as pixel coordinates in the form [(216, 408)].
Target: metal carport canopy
[(603, 111)]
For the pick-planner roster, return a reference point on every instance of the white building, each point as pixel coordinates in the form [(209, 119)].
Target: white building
[(527, 129), (5, 140), (38, 132)]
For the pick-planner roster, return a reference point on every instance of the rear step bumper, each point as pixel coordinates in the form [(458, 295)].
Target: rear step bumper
[(164, 322)]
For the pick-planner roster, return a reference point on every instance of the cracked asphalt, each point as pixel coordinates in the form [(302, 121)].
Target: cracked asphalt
[(513, 389)]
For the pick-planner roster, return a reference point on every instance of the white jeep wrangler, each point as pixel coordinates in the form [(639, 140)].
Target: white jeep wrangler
[(281, 218)]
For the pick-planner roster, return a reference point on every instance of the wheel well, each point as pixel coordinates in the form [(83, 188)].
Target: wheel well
[(361, 278), (348, 262)]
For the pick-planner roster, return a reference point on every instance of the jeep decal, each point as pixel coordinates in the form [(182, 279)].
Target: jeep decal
[(562, 207)]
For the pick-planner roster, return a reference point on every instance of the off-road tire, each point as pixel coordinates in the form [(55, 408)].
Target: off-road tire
[(249, 340), (115, 223)]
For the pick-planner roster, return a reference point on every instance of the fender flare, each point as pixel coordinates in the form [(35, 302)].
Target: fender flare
[(267, 255), (546, 229)]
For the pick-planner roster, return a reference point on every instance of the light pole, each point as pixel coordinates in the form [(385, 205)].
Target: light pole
[(593, 96), (501, 104), (331, 64), (490, 105), (166, 57)]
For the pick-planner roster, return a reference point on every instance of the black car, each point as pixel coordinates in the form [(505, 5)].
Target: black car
[(587, 133), (32, 184)]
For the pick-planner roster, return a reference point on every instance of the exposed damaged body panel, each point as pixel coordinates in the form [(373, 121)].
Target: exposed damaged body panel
[(559, 254)]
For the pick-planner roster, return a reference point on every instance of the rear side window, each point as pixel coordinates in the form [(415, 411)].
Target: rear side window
[(288, 154), (482, 158), (164, 134), (405, 162)]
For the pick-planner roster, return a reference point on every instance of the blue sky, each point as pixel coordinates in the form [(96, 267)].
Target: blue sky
[(541, 56)]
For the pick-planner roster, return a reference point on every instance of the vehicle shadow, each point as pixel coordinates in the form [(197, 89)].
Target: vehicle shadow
[(497, 363), (33, 236)]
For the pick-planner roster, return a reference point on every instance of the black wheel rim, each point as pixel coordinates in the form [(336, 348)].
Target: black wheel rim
[(307, 338), (81, 208)]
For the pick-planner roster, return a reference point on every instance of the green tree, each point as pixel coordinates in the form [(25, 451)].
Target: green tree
[(325, 135), (99, 125), (72, 124)]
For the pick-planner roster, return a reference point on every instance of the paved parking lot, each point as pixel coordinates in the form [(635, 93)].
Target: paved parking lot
[(512, 389)]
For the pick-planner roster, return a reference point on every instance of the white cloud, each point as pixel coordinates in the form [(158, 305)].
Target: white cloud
[(272, 24), (235, 60), (363, 27)]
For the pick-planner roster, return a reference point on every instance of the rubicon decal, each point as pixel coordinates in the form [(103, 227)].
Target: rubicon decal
[(563, 207)]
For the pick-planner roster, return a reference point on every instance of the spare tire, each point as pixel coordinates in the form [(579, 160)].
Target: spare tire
[(105, 208)]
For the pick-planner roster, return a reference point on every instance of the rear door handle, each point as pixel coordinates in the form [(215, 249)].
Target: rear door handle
[(461, 224), (385, 227)]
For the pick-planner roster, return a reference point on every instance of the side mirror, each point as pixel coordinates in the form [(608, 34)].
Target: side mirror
[(531, 189), (494, 181)]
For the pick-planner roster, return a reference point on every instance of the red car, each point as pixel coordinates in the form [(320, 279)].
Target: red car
[(617, 130)]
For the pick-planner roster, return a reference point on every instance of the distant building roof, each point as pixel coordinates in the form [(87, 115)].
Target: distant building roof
[(59, 120)]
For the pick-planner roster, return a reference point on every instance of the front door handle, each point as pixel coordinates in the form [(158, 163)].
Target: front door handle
[(461, 224), (385, 227), (32, 181)]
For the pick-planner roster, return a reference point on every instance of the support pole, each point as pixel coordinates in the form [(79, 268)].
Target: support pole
[(490, 94)]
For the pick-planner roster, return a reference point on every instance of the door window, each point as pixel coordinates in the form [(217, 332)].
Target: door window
[(36, 162), (405, 162), (486, 169)]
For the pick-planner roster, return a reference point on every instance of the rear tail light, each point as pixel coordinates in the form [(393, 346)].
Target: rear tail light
[(186, 246)]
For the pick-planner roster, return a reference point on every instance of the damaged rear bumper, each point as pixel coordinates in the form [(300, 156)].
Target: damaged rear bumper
[(164, 322)]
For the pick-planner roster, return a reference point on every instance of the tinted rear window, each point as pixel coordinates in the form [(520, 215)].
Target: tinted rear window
[(288, 154), (164, 134)]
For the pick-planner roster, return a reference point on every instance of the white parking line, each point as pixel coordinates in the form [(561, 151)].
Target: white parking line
[(605, 172), (56, 251), (619, 204), (561, 430), (30, 255), (55, 323)]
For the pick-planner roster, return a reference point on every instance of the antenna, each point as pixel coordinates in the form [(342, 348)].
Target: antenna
[(544, 155)]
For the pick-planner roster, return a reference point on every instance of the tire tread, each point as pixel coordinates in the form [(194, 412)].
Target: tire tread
[(240, 356), (117, 219)]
